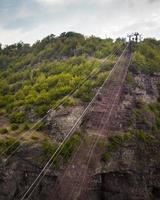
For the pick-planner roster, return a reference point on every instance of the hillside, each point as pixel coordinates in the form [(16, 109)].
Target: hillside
[(34, 82), (35, 78)]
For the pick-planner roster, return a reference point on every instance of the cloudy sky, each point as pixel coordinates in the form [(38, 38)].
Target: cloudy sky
[(30, 20)]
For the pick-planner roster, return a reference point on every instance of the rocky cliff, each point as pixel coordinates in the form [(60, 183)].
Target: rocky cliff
[(130, 165), (18, 174)]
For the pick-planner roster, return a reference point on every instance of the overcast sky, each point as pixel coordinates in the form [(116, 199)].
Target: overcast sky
[(30, 20)]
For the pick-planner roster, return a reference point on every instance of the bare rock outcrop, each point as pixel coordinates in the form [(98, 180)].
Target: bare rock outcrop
[(18, 174)]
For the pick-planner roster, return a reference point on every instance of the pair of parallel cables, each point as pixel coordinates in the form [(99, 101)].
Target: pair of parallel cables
[(93, 73), (68, 135)]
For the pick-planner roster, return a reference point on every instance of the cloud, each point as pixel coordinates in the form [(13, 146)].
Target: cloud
[(50, 1), (33, 19)]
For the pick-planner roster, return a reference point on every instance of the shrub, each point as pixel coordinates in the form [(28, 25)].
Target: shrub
[(105, 157), (84, 93), (139, 62), (100, 78), (14, 127), (48, 148), (3, 130), (59, 92), (69, 102), (43, 98), (25, 127), (143, 137), (158, 123), (106, 66), (40, 126), (41, 110), (69, 147), (8, 145), (17, 117), (2, 102), (131, 82), (117, 140), (2, 112), (65, 152), (34, 137)]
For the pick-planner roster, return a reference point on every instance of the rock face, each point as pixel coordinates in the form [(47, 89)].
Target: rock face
[(58, 123), (143, 89), (17, 175), (133, 173)]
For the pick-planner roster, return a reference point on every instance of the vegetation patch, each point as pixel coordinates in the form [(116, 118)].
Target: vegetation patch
[(3, 130), (8, 145), (36, 78), (65, 152), (146, 57)]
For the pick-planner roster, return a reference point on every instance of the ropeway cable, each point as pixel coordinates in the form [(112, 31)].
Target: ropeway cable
[(60, 104), (68, 135), (98, 137), (92, 148), (91, 145)]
